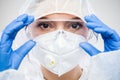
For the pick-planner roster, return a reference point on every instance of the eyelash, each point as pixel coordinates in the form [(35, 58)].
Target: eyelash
[(43, 25), (73, 25), (76, 23)]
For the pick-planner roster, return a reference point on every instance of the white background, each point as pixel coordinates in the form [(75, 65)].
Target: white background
[(107, 10)]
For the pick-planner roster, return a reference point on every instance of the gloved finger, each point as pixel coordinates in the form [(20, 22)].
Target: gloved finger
[(92, 18), (105, 32), (12, 29), (99, 27), (108, 33), (13, 25), (21, 52), (92, 25), (89, 49), (9, 35), (18, 23), (113, 45), (30, 19)]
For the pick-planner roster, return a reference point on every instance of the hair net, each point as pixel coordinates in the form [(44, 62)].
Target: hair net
[(40, 8)]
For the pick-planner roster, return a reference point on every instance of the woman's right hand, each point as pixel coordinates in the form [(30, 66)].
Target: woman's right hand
[(10, 59)]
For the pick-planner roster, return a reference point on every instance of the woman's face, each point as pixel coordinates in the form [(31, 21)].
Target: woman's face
[(58, 21)]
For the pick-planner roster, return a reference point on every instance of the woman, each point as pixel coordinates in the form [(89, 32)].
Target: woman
[(59, 36)]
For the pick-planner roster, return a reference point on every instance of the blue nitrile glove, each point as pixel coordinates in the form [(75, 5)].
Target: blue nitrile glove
[(110, 37), (10, 59)]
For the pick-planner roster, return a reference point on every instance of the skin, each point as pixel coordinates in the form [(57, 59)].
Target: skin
[(75, 73), (58, 25)]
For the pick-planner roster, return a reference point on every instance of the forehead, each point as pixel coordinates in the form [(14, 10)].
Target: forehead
[(59, 16)]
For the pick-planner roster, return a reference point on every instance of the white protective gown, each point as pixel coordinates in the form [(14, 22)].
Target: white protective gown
[(104, 66)]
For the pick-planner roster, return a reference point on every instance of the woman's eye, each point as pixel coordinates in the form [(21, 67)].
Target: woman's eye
[(76, 25), (43, 25)]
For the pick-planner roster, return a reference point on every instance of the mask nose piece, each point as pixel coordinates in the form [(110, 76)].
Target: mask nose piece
[(61, 32), (60, 41)]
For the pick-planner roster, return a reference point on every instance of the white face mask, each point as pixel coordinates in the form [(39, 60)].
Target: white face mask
[(59, 51)]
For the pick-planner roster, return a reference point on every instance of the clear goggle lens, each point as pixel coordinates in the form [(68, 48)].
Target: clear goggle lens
[(42, 26)]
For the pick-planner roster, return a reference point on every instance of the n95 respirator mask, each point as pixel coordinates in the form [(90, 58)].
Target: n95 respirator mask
[(59, 51)]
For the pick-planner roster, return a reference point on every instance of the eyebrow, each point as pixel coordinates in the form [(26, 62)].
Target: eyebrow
[(43, 18), (76, 18), (70, 18), (48, 19)]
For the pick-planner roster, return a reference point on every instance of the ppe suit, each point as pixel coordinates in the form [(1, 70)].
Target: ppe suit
[(95, 69)]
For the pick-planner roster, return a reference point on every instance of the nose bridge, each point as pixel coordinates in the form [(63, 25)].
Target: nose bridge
[(60, 26)]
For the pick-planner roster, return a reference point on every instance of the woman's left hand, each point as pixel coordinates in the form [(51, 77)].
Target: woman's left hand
[(110, 37)]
